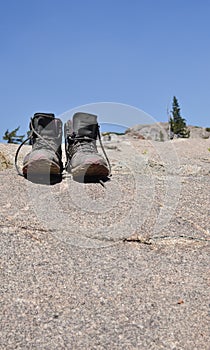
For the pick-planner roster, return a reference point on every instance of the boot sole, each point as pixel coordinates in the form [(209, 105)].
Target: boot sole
[(41, 167), (92, 170)]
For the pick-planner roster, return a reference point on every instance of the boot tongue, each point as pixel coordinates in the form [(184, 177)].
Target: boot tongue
[(85, 124), (45, 125)]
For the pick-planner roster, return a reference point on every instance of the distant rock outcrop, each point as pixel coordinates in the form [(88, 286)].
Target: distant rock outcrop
[(160, 132), (156, 132)]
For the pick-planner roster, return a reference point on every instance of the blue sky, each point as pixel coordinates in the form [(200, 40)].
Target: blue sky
[(56, 55)]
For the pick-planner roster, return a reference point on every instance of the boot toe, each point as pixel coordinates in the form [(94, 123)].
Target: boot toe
[(39, 162)]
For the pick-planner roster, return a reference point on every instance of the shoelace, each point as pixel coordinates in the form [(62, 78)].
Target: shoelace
[(86, 144), (104, 152), (30, 136)]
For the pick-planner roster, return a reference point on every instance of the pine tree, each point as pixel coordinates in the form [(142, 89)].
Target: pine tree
[(177, 123), (12, 137)]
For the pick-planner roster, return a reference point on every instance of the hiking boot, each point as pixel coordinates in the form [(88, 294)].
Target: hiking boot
[(46, 138), (83, 159)]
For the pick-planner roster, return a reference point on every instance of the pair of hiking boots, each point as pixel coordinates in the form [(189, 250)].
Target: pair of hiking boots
[(82, 157)]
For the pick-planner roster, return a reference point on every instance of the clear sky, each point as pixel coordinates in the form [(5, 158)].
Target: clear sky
[(56, 55)]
